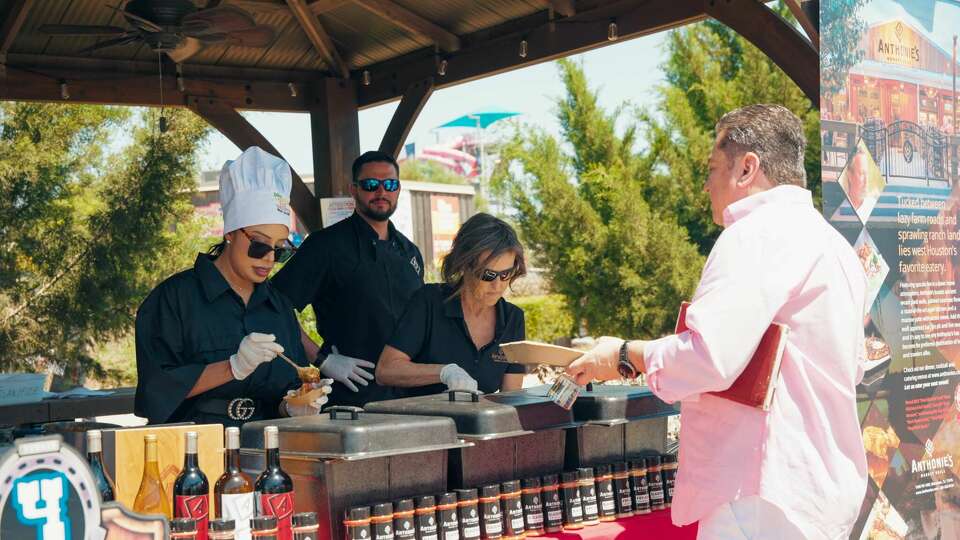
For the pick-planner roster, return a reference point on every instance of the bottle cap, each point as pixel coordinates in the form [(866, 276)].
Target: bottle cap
[(263, 523), (183, 525), (305, 519), (221, 525)]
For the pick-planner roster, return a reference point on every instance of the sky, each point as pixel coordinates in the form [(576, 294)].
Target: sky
[(623, 71)]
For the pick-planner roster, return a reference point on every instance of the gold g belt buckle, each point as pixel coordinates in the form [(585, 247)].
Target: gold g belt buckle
[(241, 408)]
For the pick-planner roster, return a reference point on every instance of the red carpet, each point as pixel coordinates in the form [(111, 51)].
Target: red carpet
[(654, 526)]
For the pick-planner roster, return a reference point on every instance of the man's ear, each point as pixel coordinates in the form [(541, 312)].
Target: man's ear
[(749, 169)]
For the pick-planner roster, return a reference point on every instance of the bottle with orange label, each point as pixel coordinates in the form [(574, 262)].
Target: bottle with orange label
[(191, 491)]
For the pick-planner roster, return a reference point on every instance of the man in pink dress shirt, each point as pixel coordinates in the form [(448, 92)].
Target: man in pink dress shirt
[(799, 469)]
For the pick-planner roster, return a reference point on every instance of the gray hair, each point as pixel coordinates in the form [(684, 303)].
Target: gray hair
[(771, 132), (480, 234)]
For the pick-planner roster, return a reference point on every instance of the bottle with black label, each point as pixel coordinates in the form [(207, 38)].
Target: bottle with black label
[(305, 526), (669, 472), (105, 485), (588, 496), (552, 504), (511, 508), (531, 497), (655, 483), (468, 509), (638, 483), (572, 503), (491, 521), (381, 521), (403, 522), (426, 518), (622, 491), (605, 494), (447, 516), (357, 523)]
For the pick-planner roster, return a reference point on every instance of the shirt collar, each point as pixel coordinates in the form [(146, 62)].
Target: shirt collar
[(778, 195), (453, 309), (214, 284), (366, 231)]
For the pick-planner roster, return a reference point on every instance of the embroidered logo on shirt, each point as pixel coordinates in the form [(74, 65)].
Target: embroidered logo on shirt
[(415, 265)]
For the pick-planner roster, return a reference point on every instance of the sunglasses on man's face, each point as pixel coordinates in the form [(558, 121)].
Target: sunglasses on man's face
[(259, 250), (489, 275), (371, 185)]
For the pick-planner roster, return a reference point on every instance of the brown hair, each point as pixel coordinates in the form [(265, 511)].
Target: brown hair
[(481, 233), (773, 133)]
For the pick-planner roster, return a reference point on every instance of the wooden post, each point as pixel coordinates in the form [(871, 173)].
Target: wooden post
[(404, 117), (235, 127), (335, 130)]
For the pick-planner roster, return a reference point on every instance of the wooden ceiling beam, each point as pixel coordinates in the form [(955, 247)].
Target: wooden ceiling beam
[(405, 116), (10, 26), (410, 21), (563, 7), (321, 41), (808, 25), (490, 51)]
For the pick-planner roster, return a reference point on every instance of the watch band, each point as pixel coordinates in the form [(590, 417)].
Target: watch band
[(625, 367)]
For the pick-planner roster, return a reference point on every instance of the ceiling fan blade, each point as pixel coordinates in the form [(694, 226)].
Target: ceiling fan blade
[(81, 30), (137, 20), (109, 43), (257, 37), (217, 20), (186, 49)]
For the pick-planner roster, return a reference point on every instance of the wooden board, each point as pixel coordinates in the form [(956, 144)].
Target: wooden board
[(123, 456), (535, 353)]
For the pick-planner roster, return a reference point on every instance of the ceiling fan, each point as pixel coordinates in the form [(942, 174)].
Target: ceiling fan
[(176, 27)]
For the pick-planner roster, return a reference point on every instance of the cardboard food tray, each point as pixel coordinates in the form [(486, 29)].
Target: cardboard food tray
[(534, 353)]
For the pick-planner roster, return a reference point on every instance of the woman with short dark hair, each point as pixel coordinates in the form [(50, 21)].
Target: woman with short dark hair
[(450, 330)]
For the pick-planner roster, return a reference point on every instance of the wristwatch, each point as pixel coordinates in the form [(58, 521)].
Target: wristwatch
[(625, 368)]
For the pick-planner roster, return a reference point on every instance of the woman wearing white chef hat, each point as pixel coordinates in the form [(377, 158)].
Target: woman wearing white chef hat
[(208, 337)]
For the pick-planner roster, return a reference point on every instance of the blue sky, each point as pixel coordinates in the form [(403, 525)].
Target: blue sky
[(624, 71)]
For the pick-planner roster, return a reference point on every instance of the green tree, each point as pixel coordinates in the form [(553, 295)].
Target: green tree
[(840, 36), (622, 266), (86, 234), (710, 70), (419, 170)]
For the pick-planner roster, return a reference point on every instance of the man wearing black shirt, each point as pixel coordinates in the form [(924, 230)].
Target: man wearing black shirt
[(358, 275)]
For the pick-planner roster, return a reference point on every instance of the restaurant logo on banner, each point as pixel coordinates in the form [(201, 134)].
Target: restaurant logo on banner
[(930, 463), (895, 43)]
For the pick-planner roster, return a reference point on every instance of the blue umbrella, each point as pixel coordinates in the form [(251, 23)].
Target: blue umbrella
[(480, 119)]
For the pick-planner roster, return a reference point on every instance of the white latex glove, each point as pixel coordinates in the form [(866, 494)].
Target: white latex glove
[(314, 407), (347, 370), (255, 349), (456, 378)]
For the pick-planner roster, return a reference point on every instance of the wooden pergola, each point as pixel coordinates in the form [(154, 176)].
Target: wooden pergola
[(331, 58)]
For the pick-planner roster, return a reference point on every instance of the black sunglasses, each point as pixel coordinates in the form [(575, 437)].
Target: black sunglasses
[(259, 250), (370, 185), (490, 275)]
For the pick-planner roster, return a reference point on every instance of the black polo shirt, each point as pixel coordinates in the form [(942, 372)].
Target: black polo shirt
[(358, 286), (194, 318), (433, 331)]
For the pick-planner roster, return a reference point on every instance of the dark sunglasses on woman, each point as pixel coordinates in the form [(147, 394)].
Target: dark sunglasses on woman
[(259, 250), (371, 185), (490, 275)]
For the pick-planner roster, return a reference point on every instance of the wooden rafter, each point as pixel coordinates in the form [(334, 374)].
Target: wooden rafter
[(10, 26), (805, 23), (321, 41), (412, 22), (406, 114), (563, 7)]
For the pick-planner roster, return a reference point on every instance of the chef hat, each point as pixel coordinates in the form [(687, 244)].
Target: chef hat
[(255, 190)]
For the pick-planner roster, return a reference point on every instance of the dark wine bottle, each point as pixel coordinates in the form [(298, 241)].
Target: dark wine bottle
[(191, 491), (105, 485), (274, 488)]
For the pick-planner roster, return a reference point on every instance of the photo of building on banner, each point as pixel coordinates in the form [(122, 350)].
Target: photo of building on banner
[(891, 167)]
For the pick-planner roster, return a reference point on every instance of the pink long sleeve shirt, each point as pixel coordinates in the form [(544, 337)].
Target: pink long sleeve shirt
[(779, 261)]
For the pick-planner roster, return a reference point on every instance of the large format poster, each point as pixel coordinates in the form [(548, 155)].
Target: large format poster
[(890, 176)]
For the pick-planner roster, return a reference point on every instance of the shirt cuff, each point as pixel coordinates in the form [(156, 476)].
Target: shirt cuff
[(656, 354)]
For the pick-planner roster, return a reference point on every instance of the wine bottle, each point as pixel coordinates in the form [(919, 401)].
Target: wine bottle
[(234, 489), (105, 485), (274, 488), (191, 491), (151, 497)]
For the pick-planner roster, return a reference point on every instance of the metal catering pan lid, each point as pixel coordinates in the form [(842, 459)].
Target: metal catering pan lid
[(611, 404), (350, 433), (481, 416)]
